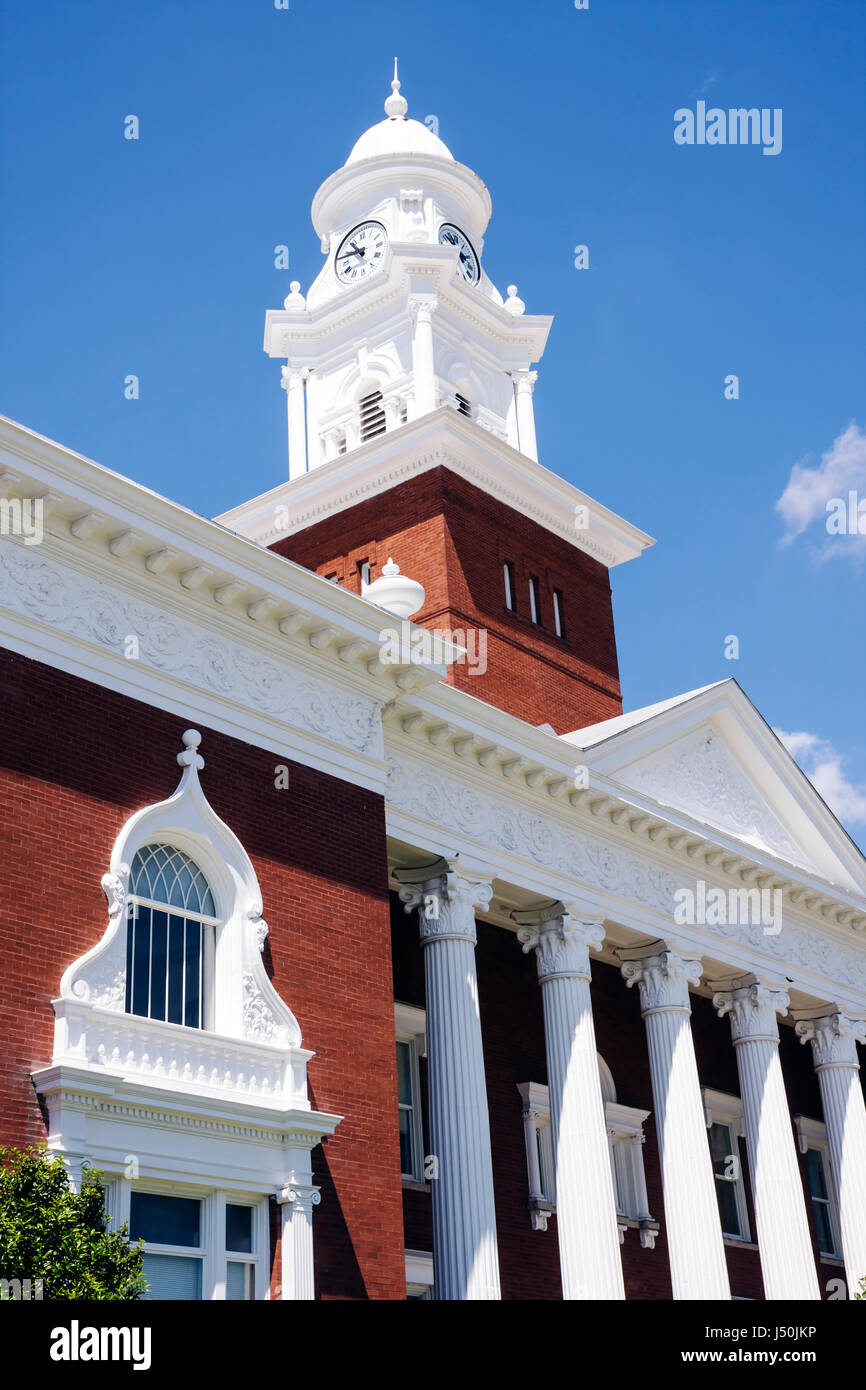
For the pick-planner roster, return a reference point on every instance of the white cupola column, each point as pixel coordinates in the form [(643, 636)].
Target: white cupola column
[(422, 309), (296, 1200), (834, 1039), (465, 1251), (694, 1234), (589, 1255), (293, 383), (787, 1261), (524, 383)]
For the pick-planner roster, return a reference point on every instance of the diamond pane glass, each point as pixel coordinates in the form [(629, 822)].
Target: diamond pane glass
[(167, 875)]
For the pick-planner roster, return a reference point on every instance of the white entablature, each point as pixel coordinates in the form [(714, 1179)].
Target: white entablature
[(402, 306)]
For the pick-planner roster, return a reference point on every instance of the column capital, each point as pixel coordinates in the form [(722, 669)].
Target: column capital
[(524, 380), (752, 1005), (561, 941), (834, 1037), (448, 893), (422, 307), (292, 377), (663, 975), (302, 1196)]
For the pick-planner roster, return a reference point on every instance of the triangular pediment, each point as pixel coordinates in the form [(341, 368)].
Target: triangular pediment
[(710, 756)]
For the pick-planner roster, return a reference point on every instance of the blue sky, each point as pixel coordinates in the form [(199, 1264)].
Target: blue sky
[(155, 257)]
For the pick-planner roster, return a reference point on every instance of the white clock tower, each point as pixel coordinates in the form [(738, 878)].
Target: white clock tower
[(402, 319)]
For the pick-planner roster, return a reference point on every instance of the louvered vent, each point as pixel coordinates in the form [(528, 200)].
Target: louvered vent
[(372, 416)]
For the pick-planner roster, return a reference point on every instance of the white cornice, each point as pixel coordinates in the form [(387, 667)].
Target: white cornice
[(466, 773), (306, 339), (440, 439)]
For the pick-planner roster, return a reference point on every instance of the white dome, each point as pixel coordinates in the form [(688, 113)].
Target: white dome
[(398, 135)]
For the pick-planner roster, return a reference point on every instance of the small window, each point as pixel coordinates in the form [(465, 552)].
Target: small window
[(409, 1105), (463, 405), (404, 412), (372, 416), (817, 1170), (341, 444), (169, 937), (557, 613), (730, 1192), (534, 605), (508, 574), (364, 572)]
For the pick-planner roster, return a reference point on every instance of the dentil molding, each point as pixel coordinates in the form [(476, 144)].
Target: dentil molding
[(450, 803)]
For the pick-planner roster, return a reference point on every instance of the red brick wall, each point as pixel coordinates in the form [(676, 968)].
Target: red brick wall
[(513, 1036), (454, 539), (75, 762)]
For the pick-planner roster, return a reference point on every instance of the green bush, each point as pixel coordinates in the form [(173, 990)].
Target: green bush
[(50, 1232)]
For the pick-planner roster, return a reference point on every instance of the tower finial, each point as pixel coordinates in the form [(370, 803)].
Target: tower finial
[(396, 105)]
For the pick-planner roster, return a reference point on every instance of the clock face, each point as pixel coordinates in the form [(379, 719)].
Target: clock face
[(467, 265), (361, 252)]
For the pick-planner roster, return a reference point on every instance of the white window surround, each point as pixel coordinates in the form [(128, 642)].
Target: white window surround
[(625, 1143), (212, 1245), (724, 1109), (225, 1108), (812, 1134)]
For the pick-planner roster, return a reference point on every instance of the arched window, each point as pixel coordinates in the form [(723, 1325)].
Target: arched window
[(171, 918)]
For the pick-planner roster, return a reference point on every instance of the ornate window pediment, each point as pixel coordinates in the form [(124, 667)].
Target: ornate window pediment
[(178, 974)]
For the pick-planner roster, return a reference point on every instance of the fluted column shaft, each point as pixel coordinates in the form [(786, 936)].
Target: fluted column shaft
[(586, 1224), (834, 1041), (787, 1261), (694, 1234), (297, 1200), (465, 1252)]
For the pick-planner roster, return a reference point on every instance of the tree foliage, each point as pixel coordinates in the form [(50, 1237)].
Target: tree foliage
[(50, 1232)]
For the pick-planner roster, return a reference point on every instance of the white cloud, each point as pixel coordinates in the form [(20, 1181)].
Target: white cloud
[(823, 766), (842, 470)]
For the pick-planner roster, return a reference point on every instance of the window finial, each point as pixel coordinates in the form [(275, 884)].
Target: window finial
[(396, 105), (189, 757)]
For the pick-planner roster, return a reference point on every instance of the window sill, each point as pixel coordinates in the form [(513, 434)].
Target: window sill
[(737, 1244), (413, 1185)]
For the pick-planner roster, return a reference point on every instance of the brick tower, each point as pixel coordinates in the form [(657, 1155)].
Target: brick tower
[(411, 431)]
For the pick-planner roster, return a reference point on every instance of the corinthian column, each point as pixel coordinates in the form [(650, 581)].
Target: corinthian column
[(293, 383), (834, 1041), (694, 1234), (524, 383), (787, 1261), (585, 1203), (422, 310), (465, 1253)]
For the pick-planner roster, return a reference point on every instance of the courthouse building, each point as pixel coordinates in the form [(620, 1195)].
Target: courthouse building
[(429, 972)]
